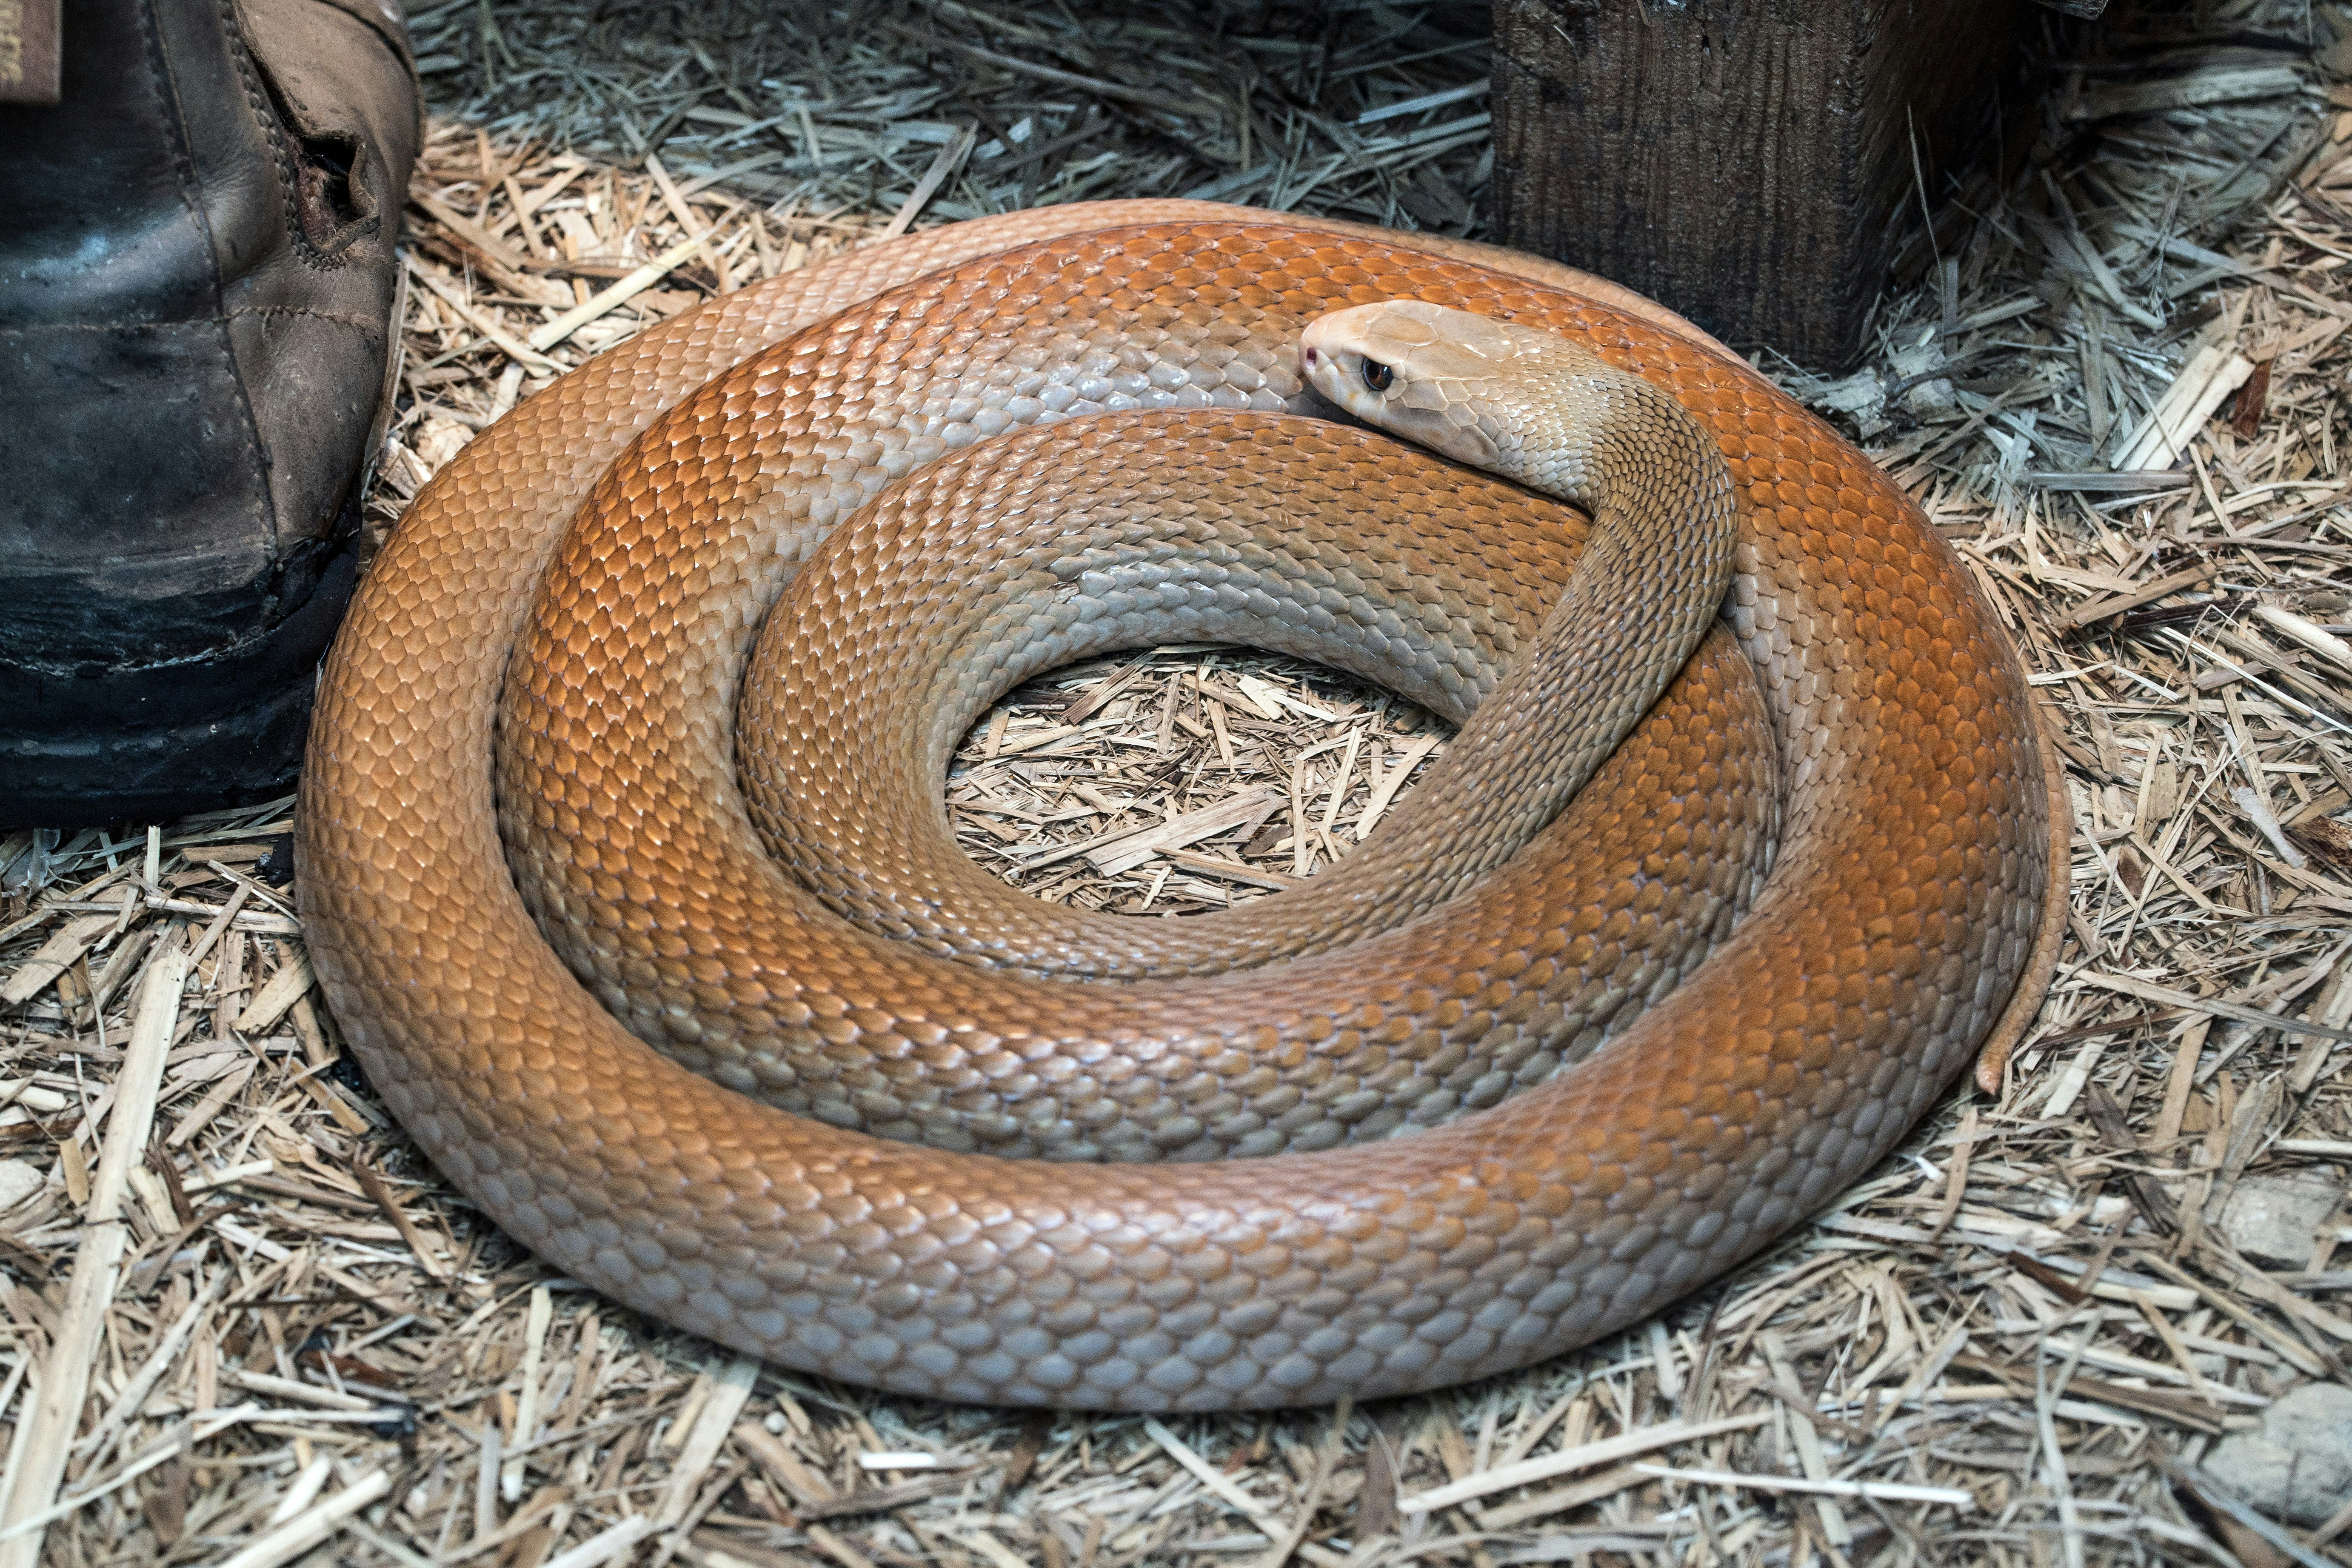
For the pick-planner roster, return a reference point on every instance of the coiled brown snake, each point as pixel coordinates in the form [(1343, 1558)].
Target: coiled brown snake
[(869, 979)]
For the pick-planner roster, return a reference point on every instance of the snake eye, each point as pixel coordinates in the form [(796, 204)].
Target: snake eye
[(1377, 375)]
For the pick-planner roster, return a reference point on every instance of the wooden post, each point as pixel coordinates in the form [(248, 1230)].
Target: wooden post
[(1748, 162), (28, 51)]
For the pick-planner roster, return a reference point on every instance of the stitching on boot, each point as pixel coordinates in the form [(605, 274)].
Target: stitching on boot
[(366, 326), (170, 114), (325, 251), (166, 87)]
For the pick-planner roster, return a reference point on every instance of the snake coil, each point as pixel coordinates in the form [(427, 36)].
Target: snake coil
[(1095, 407)]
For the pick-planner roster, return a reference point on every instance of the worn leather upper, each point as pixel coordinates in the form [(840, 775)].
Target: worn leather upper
[(196, 282)]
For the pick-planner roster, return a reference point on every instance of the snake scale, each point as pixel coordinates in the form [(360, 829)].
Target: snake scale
[(837, 1099)]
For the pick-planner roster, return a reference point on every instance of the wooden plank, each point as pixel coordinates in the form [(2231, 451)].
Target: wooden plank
[(1748, 162), (29, 56)]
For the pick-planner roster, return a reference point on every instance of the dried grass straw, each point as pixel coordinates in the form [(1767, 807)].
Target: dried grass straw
[(239, 1318)]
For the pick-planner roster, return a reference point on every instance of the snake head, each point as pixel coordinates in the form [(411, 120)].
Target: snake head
[(1422, 372)]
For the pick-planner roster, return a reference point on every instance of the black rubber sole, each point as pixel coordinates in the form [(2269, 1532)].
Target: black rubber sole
[(90, 748)]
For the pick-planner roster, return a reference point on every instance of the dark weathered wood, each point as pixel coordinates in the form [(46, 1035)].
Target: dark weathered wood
[(1748, 162), (28, 51)]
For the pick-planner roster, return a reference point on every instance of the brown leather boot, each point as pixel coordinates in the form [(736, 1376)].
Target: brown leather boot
[(196, 278)]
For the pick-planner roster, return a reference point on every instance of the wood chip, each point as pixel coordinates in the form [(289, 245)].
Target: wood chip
[(1545, 1466), (34, 1477)]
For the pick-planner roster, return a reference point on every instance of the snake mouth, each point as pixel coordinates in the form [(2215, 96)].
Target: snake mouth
[(1329, 375)]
